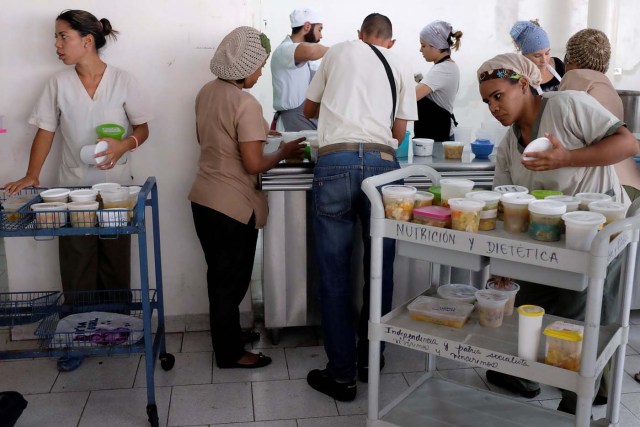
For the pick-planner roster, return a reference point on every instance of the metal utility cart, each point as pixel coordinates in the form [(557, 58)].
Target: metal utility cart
[(434, 401), (47, 308)]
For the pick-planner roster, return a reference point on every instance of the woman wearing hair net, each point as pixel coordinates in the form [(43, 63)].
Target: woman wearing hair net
[(436, 92), (586, 141), (228, 209), (532, 41)]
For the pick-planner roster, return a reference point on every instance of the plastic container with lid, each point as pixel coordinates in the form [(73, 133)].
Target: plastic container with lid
[(115, 198), (113, 217), (489, 213), (586, 198), (451, 188), (612, 211), (422, 146), (509, 288), (56, 195), (50, 214), (543, 194), (398, 201), (12, 205), (581, 227), (453, 149), (503, 189), (529, 331), (516, 211), (458, 292), (435, 216), (491, 307), (435, 190), (84, 195), (440, 311), (545, 220), (564, 345), (465, 214), (572, 202), (105, 186), (422, 199), (82, 214)]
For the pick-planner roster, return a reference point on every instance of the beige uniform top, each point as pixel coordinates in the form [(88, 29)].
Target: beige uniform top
[(576, 120), (227, 116)]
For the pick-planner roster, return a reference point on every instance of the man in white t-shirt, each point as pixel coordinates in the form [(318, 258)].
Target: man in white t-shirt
[(293, 67), (362, 119)]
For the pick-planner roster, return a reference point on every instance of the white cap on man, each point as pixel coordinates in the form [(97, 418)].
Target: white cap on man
[(299, 16)]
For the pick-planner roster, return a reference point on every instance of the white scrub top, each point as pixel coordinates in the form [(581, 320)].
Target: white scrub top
[(65, 104), (290, 80)]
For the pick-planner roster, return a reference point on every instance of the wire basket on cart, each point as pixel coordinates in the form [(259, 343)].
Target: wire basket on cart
[(15, 209), (21, 308), (99, 322)]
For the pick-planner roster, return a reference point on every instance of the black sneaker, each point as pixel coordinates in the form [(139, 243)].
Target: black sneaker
[(513, 384), (321, 380), (363, 370)]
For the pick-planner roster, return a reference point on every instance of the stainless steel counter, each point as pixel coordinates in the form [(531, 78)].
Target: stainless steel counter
[(288, 260)]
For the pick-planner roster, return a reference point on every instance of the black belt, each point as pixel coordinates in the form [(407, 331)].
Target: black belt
[(355, 146)]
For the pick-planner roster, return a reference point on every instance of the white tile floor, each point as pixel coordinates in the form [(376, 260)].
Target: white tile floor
[(110, 391)]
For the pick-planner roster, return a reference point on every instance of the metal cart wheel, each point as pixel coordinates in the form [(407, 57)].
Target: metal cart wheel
[(167, 360), (152, 413)]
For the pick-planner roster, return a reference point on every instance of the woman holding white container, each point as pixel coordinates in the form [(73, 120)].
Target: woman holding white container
[(75, 102), (586, 140)]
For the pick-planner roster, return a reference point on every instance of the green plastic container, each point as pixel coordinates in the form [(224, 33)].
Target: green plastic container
[(541, 194), (435, 190), (110, 130)]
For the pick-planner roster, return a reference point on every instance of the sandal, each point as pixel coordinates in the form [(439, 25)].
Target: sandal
[(260, 362)]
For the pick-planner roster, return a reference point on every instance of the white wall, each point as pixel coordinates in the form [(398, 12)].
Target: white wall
[(168, 44)]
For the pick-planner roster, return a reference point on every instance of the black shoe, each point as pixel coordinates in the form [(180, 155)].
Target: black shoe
[(11, 406), (321, 380), (511, 383), (247, 337), (363, 370), (260, 362)]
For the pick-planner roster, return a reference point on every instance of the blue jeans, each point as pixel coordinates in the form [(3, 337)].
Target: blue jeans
[(338, 202)]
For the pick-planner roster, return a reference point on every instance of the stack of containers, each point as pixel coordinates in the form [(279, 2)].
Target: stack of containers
[(489, 213), (53, 212), (516, 211), (116, 207), (545, 220), (83, 207), (465, 214), (504, 189)]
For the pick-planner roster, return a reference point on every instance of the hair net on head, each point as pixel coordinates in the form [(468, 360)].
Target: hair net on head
[(509, 65), (240, 54), (529, 37), (437, 34), (589, 49)]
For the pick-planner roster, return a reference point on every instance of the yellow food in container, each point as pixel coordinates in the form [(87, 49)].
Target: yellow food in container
[(564, 345)]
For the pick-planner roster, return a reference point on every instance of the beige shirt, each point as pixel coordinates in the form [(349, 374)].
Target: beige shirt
[(227, 116), (576, 120), (597, 85)]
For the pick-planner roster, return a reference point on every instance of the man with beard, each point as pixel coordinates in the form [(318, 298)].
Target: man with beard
[(292, 69)]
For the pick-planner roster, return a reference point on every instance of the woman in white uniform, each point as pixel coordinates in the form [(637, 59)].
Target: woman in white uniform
[(75, 102)]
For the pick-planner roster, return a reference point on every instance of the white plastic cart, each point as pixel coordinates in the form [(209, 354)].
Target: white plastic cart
[(434, 401)]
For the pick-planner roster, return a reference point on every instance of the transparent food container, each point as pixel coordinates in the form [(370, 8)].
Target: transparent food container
[(50, 215), (398, 201), (491, 307), (516, 211), (82, 214), (509, 288), (435, 216), (489, 213), (545, 220), (458, 292), (465, 214), (440, 311), (564, 345)]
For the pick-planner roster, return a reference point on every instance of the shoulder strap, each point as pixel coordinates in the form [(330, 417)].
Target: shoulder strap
[(392, 82)]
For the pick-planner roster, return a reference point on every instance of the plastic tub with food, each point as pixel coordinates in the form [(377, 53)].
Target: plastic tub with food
[(503, 189), (613, 211), (489, 213), (458, 292), (437, 192), (572, 202), (440, 311), (434, 216), (422, 147), (516, 211), (465, 214), (586, 198), (56, 195), (84, 195), (82, 214), (451, 188), (12, 205), (543, 194), (453, 150), (113, 217), (545, 220), (581, 227), (398, 201), (563, 346), (491, 307), (422, 199), (50, 214), (508, 287)]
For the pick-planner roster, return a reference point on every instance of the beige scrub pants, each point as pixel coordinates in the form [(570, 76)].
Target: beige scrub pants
[(94, 263)]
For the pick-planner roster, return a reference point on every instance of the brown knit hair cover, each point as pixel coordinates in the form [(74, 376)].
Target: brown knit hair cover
[(590, 49)]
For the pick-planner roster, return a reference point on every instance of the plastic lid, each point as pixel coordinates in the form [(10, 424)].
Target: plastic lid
[(84, 192), (570, 201), (55, 192), (584, 218), (134, 189), (50, 206), (435, 189), (399, 190), (509, 286), (423, 141), (456, 182), (593, 197), (543, 194), (511, 189), (565, 331), (517, 198), (435, 212), (491, 297), (608, 207), (547, 207), (458, 292), (531, 310), (106, 186), (424, 195), (453, 143), (466, 205), (485, 196)]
